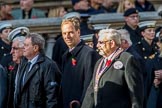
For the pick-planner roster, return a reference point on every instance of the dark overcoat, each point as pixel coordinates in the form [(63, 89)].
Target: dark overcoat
[(135, 35), (58, 50), (3, 88), (39, 89), (4, 49), (76, 76), (145, 50), (154, 95), (120, 85)]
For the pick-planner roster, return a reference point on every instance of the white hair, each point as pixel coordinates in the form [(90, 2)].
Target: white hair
[(125, 35), (21, 40), (111, 34)]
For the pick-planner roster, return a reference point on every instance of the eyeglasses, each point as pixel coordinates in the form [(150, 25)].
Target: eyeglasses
[(103, 42), (134, 16), (16, 48)]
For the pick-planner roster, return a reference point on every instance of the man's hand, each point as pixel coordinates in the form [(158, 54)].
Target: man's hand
[(158, 74), (156, 83)]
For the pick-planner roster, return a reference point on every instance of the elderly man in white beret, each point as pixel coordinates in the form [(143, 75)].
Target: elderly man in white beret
[(16, 37)]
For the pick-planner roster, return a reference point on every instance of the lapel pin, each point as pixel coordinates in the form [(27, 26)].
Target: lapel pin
[(118, 65)]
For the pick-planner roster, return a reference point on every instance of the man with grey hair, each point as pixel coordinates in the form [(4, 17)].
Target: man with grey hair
[(36, 84), (125, 38), (126, 44), (117, 82), (16, 53)]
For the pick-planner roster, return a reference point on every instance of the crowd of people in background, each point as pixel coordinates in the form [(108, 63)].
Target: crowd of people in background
[(121, 68)]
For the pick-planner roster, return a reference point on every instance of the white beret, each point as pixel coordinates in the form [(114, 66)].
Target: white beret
[(147, 24), (71, 14), (101, 26), (5, 26), (17, 32)]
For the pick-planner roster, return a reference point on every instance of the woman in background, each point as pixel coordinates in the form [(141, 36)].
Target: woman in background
[(57, 12), (124, 5)]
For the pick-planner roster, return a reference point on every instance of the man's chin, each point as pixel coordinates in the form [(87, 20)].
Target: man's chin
[(101, 53)]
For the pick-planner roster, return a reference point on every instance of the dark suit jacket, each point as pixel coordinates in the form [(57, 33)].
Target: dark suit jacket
[(117, 88)]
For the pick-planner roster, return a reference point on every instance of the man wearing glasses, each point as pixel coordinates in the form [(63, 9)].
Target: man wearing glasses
[(117, 81), (131, 18), (17, 38)]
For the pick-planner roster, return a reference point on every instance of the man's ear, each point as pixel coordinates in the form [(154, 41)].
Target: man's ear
[(142, 33), (0, 34), (126, 19), (112, 43), (78, 32), (36, 48)]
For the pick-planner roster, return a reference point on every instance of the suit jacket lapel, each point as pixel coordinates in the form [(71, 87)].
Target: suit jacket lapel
[(33, 70), (19, 79), (107, 67), (30, 74)]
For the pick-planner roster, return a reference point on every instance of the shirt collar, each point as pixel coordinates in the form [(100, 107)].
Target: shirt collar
[(74, 47), (34, 60)]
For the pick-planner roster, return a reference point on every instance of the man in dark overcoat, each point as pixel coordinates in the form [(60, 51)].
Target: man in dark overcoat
[(131, 18), (117, 81), (78, 63), (36, 84)]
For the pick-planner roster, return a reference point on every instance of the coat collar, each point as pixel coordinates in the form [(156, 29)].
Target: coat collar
[(75, 51), (106, 69), (33, 70)]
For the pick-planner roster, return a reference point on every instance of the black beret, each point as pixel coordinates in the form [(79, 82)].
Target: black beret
[(97, 27), (130, 11)]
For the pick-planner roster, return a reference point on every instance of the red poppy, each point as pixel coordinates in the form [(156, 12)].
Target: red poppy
[(11, 67), (73, 61), (33, 17), (108, 63)]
